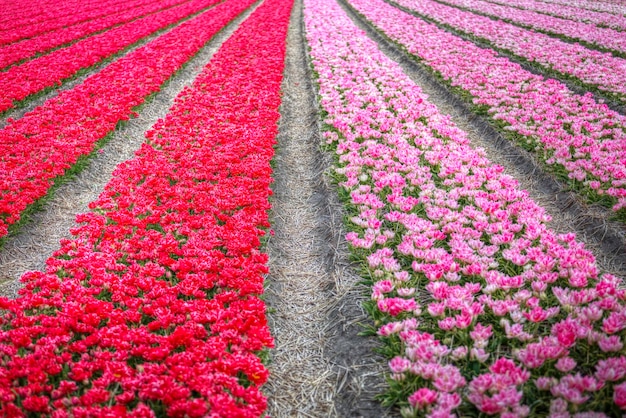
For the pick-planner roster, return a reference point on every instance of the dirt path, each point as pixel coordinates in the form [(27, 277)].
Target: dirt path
[(39, 238), (320, 366)]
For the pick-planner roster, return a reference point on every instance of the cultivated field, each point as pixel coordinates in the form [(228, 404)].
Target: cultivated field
[(313, 208)]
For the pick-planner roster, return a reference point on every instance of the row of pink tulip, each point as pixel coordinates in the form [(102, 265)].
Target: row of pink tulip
[(574, 13), (594, 68), (153, 309), (615, 7), (27, 48), (605, 38), (31, 30), (485, 308), (50, 70), (49, 140), (579, 138)]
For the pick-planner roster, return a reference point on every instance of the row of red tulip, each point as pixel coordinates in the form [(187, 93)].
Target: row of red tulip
[(31, 30), (49, 140), (153, 308), (19, 12), (25, 49), (50, 70)]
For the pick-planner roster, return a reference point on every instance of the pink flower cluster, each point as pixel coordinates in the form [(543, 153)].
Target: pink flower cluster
[(25, 29), (570, 12), (486, 309), (602, 37), (613, 7), (153, 308), (583, 139), (26, 48), (497, 392), (50, 70), (595, 68), (49, 140)]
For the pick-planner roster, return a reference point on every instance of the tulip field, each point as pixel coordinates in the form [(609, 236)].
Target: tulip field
[(155, 303)]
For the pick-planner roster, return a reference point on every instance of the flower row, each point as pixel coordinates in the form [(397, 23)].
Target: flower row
[(598, 69), (605, 38), (49, 140), (483, 308), (613, 7), (570, 12), (50, 70), (23, 12), (581, 140), (153, 308), (25, 49), (30, 30)]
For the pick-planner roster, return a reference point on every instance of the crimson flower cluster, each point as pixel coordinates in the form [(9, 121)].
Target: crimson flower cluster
[(49, 140), (33, 13), (29, 30), (153, 308), (44, 72), (26, 48)]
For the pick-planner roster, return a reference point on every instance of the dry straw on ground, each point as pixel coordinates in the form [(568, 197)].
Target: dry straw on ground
[(320, 367)]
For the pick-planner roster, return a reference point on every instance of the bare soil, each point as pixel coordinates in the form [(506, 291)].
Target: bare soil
[(320, 367)]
